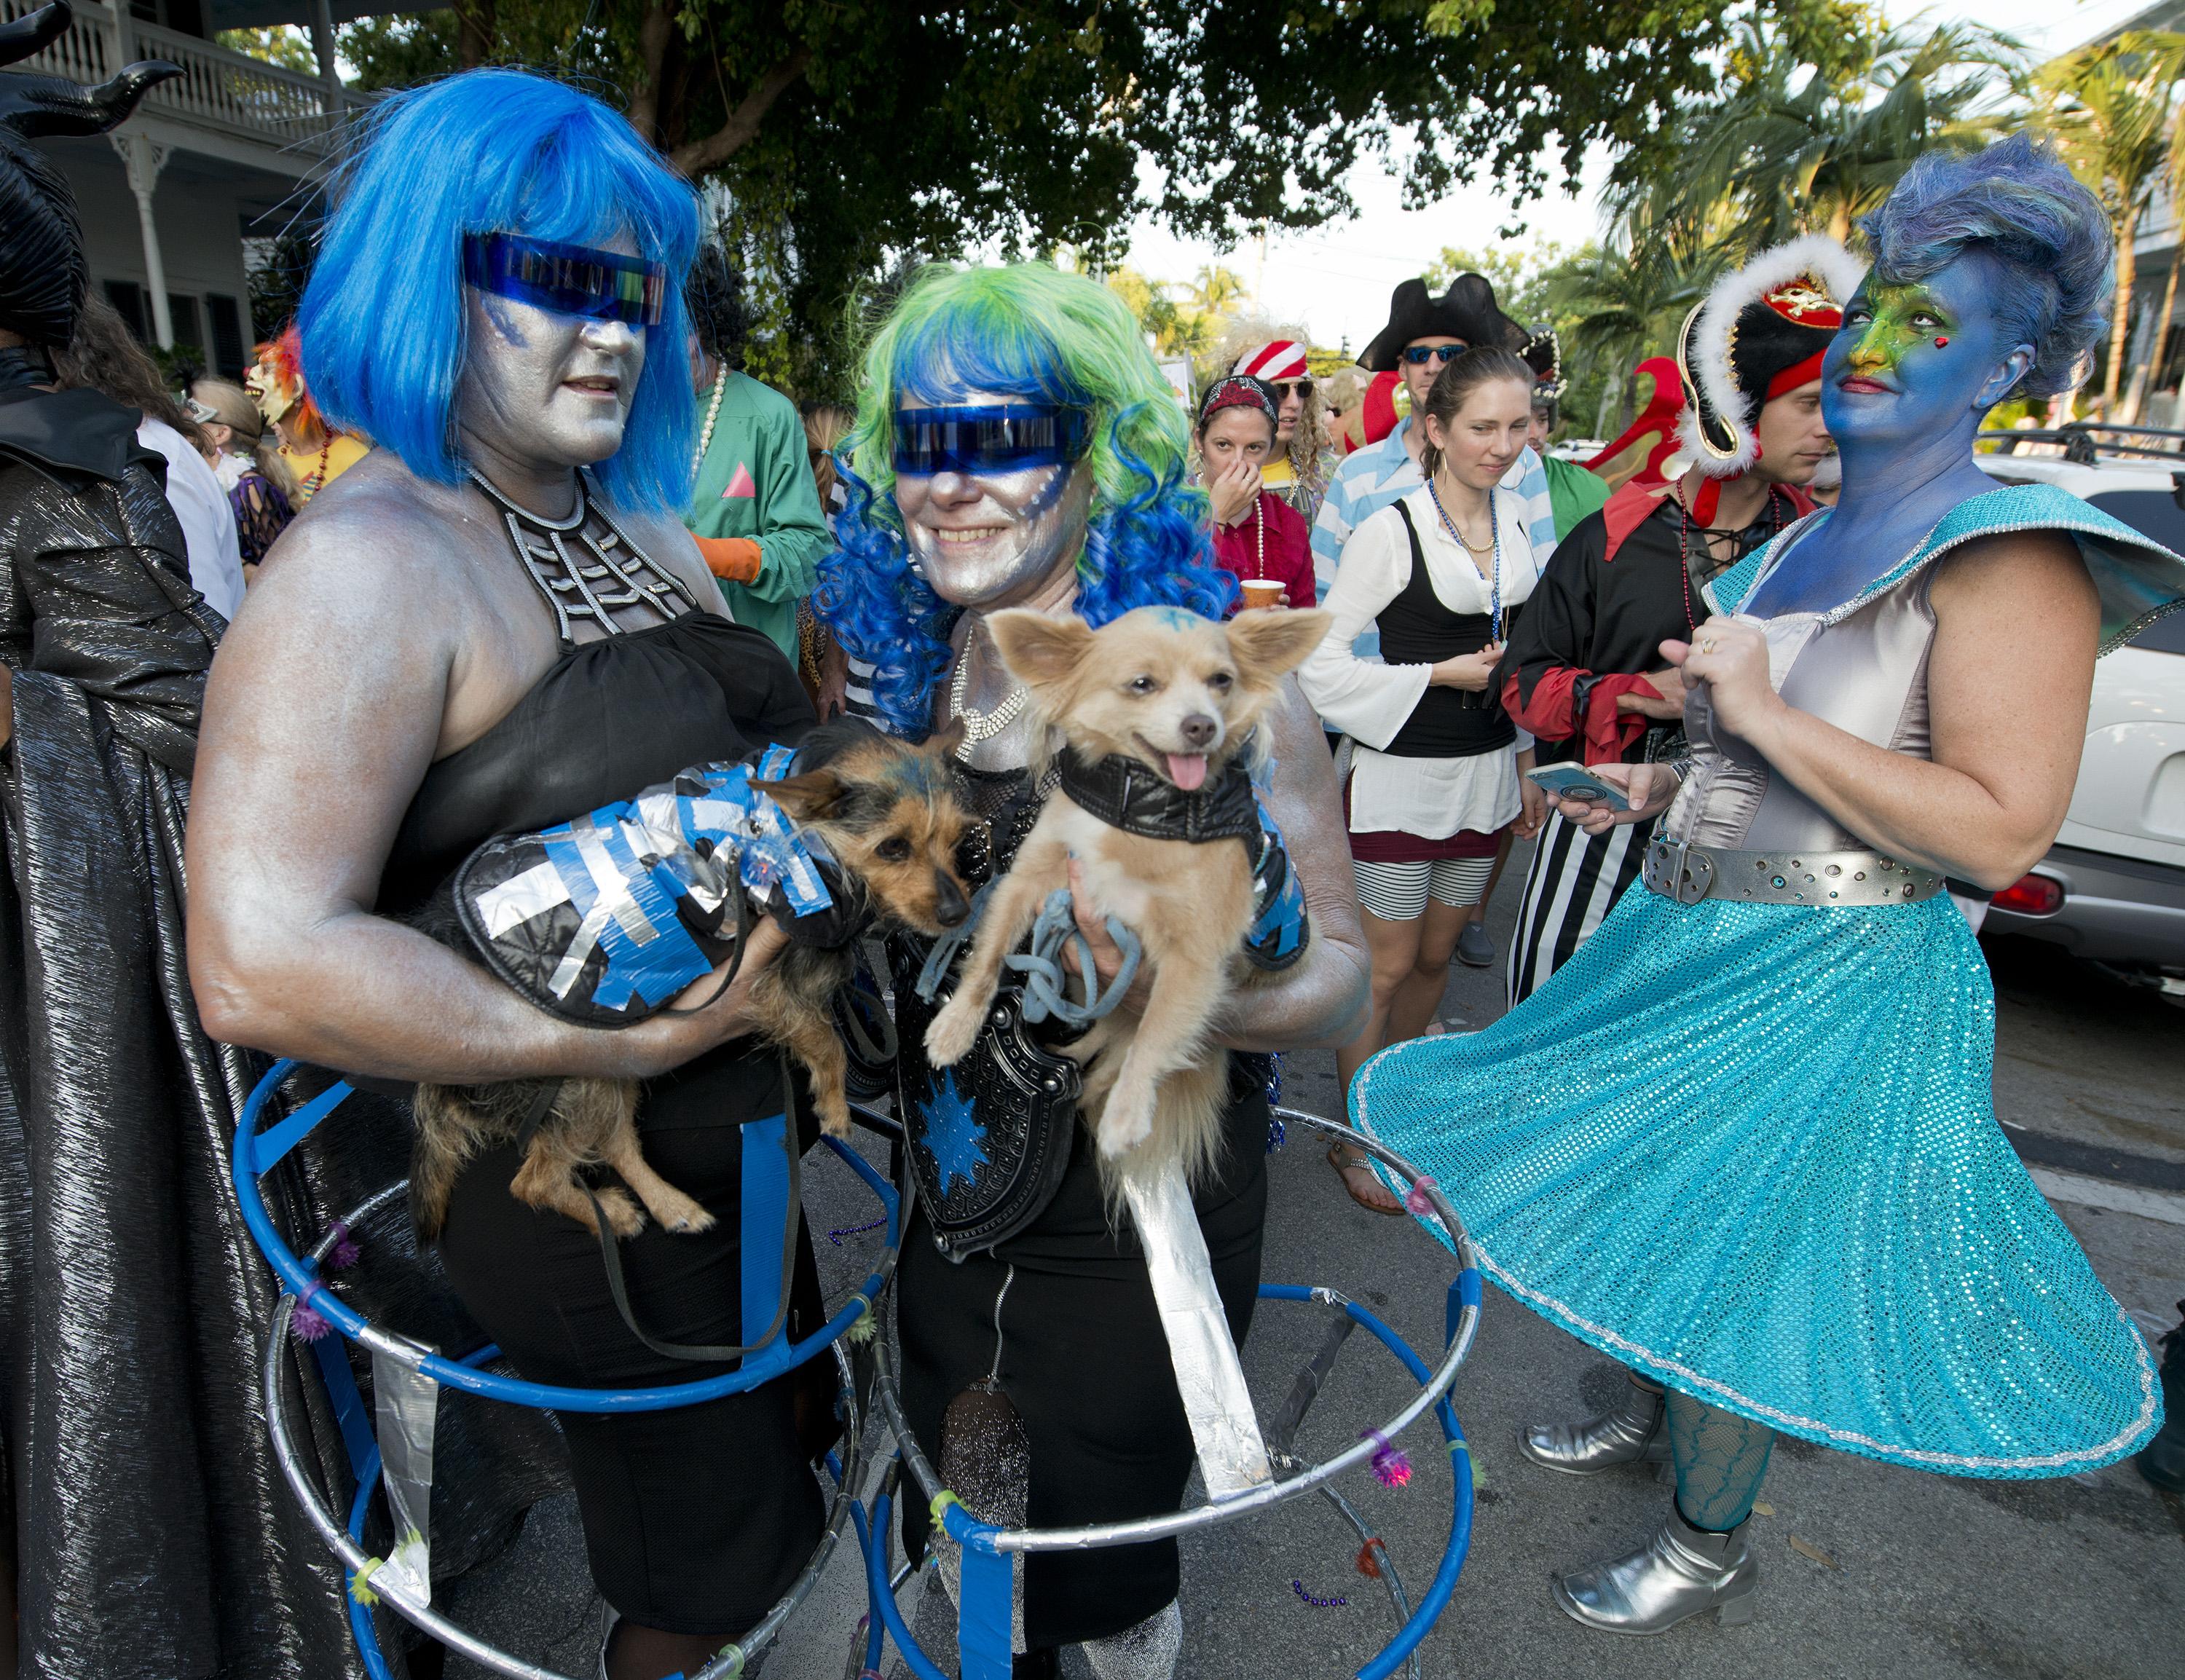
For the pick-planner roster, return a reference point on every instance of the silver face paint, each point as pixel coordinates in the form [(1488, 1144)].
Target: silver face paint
[(987, 541), (546, 390)]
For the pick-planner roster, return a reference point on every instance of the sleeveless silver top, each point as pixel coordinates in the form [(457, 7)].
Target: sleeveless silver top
[(1866, 674)]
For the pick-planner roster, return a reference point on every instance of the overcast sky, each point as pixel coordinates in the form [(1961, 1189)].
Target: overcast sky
[(1335, 281)]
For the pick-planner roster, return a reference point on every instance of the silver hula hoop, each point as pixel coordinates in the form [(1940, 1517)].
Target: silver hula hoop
[(727, 1664)]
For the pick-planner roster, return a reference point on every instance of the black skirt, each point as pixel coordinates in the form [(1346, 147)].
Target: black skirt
[(1108, 1451), (696, 1520)]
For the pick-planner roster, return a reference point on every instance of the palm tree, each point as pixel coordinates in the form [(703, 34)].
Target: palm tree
[(1797, 144), (2173, 182), (1630, 296), (2109, 105)]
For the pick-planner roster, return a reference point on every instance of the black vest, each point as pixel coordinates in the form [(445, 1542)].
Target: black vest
[(1417, 629)]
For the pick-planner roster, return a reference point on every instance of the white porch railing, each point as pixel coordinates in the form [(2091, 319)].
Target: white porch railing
[(242, 97)]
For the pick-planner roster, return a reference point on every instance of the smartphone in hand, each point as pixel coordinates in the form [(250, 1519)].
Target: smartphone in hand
[(1571, 781)]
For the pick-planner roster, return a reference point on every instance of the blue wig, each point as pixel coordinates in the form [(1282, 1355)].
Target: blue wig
[(489, 151), (1025, 330), (2049, 235)]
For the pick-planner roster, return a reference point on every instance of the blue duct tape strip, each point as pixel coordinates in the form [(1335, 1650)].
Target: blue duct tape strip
[(665, 964), (765, 1217), (775, 763), (982, 1619), (269, 1146), (656, 970)]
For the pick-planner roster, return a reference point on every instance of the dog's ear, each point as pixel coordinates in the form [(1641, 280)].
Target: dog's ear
[(806, 798), (942, 743), (1267, 645), (1039, 651)]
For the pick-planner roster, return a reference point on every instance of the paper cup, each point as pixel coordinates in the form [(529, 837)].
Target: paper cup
[(1262, 592)]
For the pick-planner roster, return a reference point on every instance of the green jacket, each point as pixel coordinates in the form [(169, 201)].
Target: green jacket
[(755, 480)]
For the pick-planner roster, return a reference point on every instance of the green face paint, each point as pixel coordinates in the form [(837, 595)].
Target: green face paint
[(1885, 322)]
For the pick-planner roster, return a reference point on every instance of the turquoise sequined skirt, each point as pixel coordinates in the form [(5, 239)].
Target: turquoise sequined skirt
[(1751, 1150)]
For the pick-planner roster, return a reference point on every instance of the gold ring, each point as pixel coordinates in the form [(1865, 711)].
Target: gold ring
[(1707, 645)]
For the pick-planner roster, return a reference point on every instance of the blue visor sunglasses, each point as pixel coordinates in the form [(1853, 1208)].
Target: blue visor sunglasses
[(1007, 438), (567, 279)]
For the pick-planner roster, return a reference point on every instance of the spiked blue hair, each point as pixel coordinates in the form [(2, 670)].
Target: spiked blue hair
[(489, 151), (2049, 235), (1028, 329)]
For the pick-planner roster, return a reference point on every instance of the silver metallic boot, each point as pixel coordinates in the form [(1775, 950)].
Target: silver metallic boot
[(1635, 1430), (1683, 1572)]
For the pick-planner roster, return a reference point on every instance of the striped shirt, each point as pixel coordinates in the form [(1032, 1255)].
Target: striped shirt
[(1383, 473)]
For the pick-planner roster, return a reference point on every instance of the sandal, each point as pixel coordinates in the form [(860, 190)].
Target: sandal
[(1361, 1164)]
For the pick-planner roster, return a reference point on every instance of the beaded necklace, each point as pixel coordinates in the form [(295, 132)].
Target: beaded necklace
[(1494, 546), (712, 414), (317, 475)]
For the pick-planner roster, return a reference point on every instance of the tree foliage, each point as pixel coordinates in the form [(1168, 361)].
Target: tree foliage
[(1823, 107), (2112, 107), (846, 134)]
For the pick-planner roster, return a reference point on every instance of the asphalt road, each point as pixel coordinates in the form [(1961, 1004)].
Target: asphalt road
[(1867, 1569)]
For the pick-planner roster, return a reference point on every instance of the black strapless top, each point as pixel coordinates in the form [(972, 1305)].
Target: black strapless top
[(609, 718)]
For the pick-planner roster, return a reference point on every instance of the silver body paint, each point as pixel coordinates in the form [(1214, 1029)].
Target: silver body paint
[(991, 540), (517, 398)]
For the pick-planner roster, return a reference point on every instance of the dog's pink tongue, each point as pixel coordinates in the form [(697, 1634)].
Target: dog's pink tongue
[(1187, 770)]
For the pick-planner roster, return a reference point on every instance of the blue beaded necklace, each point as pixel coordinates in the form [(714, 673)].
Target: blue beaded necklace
[(1493, 542)]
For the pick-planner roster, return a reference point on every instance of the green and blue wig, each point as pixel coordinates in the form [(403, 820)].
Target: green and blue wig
[(489, 151), (1030, 331), (2048, 235)]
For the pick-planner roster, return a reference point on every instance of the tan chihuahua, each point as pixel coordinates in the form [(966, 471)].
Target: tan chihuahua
[(1179, 695)]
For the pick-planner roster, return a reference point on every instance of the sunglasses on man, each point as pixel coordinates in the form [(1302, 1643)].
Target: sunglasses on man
[(1299, 389), (998, 438), (1420, 355), (567, 279)]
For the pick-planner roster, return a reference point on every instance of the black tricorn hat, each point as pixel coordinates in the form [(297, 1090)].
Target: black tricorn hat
[(1467, 311), (42, 276)]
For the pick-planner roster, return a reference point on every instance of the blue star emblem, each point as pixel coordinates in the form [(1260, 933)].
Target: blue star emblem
[(952, 1134)]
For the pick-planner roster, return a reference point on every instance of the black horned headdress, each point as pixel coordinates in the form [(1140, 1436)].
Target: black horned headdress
[(42, 274)]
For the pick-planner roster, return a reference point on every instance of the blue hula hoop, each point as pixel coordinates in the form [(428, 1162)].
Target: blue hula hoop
[(992, 1551)]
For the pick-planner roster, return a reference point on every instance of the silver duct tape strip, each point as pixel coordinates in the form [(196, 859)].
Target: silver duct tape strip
[(408, 1405), (516, 900), (1232, 1458), (609, 882)]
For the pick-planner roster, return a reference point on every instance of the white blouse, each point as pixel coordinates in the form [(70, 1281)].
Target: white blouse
[(1370, 701)]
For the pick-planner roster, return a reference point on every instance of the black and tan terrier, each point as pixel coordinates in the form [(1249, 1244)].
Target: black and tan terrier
[(890, 815)]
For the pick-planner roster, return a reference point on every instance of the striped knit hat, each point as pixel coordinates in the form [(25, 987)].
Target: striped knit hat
[(1284, 359)]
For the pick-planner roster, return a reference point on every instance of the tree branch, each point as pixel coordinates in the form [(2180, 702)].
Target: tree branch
[(697, 156), (653, 31)]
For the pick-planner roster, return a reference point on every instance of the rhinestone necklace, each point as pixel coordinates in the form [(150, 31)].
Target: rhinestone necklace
[(586, 566), (979, 726)]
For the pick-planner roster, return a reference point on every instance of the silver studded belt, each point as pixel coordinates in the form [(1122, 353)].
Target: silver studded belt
[(1688, 873)]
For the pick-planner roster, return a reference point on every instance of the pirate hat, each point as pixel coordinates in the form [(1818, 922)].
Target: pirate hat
[(1760, 332), (1467, 311), (1543, 355)]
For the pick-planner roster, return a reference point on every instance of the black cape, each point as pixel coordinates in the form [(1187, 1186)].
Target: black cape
[(157, 1538)]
